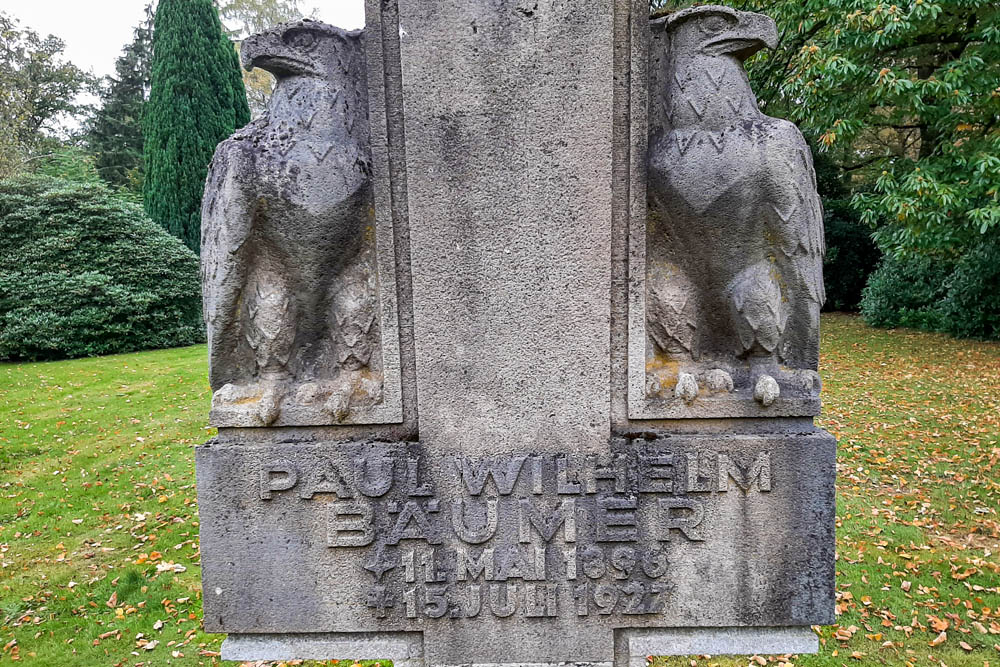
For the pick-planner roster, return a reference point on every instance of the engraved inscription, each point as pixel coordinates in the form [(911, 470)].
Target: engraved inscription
[(535, 536)]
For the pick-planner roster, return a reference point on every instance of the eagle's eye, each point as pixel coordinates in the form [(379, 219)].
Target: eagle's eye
[(714, 24), (300, 39)]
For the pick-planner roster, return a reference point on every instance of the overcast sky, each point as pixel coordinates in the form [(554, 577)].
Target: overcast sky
[(96, 30)]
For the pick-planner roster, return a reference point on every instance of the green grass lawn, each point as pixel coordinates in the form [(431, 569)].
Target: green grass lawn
[(99, 526)]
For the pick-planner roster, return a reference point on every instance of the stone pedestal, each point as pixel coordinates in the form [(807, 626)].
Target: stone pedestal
[(523, 556), (527, 499)]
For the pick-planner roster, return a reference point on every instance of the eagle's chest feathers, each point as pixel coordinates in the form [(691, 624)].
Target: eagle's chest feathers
[(314, 172), (698, 167), (312, 186), (711, 135)]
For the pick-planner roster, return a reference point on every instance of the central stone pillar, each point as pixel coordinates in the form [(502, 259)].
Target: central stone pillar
[(508, 123)]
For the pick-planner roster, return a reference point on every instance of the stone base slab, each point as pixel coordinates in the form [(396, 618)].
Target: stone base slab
[(405, 649)]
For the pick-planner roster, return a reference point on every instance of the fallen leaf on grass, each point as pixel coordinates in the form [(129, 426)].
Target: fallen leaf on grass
[(167, 566)]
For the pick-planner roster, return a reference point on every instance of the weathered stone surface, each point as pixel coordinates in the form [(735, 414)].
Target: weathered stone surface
[(299, 331), (718, 641), (731, 269), (508, 146), (403, 649), (544, 553)]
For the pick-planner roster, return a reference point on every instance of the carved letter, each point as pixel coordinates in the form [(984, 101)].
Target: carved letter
[(696, 482), (656, 474), (685, 524), (350, 524), (482, 566), (413, 488), (324, 478), (564, 485), (536, 475), (475, 602), (760, 471), (504, 470), (479, 534), (382, 481), (603, 467), (546, 606), (510, 599), (564, 515), (421, 528), (615, 517), (269, 483)]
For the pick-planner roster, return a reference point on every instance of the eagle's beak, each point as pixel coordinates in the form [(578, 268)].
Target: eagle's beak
[(256, 48), (753, 33), (267, 51)]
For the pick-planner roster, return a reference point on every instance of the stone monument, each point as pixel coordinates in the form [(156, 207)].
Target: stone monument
[(513, 324)]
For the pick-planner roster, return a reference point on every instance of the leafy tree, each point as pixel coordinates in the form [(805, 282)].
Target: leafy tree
[(69, 162), (196, 100), (114, 134), (37, 87), (247, 17), (851, 254), (252, 16)]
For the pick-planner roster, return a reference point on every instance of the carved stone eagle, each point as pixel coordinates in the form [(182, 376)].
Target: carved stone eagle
[(734, 208), (288, 257)]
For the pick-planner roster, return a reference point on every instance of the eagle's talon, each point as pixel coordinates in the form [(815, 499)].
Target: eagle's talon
[(338, 406), (269, 408), (687, 388), (766, 391), (719, 381)]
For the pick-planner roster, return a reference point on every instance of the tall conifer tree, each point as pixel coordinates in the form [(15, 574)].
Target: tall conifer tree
[(196, 100), (115, 133)]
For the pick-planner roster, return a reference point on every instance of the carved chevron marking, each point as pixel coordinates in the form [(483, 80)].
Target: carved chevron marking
[(322, 154), (671, 112), (717, 82), (308, 123), (796, 183), (718, 139), (735, 106), (285, 147), (684, 144), (700, 113), (679, 80), (806, 166), (785, 217)]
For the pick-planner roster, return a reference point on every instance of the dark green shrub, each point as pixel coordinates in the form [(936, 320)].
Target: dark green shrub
[(851, 253), (83, 272), (907, 293), (851, 256), (972, 307)]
